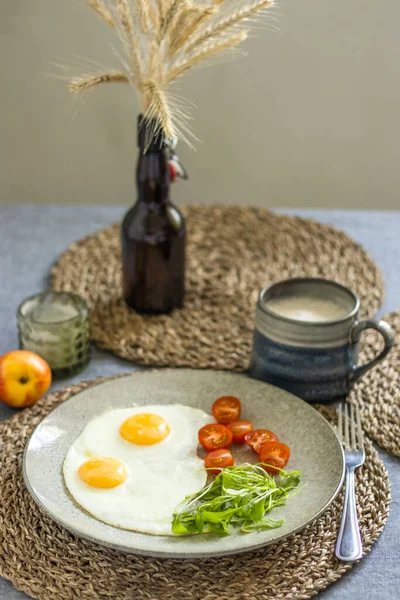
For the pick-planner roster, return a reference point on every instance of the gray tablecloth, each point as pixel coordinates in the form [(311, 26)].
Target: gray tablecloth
[(32, 237)]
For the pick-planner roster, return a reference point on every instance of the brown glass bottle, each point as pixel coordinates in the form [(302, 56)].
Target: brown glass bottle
[(153, 233)]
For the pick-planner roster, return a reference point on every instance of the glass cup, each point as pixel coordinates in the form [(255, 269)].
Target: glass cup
[(55, 326), (307, 335)]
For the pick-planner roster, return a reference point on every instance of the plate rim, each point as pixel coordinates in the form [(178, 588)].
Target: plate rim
[(168, 554)]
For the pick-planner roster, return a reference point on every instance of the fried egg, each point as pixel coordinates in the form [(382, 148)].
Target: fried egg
[(132, 467)]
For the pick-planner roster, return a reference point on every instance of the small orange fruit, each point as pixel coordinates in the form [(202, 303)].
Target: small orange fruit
[(24, 378)]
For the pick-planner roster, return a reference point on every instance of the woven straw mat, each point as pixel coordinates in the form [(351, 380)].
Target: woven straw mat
[(48, 563), (378, 392), (232, 253)]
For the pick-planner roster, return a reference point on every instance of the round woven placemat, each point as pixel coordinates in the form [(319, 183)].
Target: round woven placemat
[(232, 253), (378, 393), (47, 562)]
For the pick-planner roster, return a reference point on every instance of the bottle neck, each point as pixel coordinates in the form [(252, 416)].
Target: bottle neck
[(153, 177)]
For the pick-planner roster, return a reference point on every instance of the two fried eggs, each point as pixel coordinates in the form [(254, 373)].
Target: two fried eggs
[(132, 467)]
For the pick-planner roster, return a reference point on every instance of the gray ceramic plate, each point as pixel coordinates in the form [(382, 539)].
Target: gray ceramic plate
[(315, 450)]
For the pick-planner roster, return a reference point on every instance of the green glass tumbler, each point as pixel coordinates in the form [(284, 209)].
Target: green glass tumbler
[(55, 325)]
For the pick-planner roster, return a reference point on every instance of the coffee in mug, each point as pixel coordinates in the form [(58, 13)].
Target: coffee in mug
[(307, 336)]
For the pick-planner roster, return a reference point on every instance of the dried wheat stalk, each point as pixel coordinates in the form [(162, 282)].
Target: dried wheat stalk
[(203, 53), (131, 41), (163, 39), (88, 82), (154, 15), (171, 15), (190, 21), (182, 19), (143, 14), (226, 24), (102, 11), (158, 109), (162, 7)]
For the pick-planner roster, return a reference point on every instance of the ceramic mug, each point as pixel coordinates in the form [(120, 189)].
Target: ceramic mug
[(307, 335)]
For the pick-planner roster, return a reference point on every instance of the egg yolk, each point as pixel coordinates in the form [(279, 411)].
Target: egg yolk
[(103, 472), (145, 429)]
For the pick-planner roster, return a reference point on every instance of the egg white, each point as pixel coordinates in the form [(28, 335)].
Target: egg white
[(159, 475), (101, 436)]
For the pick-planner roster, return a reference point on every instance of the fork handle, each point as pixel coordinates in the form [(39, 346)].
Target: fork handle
[(348, 545)]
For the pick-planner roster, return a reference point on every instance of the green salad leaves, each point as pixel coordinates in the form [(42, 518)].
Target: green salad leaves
[(238, 498)]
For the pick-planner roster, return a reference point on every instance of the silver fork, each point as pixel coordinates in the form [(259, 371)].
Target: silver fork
[(348, 545)]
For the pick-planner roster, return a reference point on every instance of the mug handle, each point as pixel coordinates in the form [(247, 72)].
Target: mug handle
[(388, 336)]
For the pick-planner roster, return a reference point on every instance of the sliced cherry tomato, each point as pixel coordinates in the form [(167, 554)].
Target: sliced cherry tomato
[(257, 438), (215, 436), (274, 454), (226, 409), (218, 459), (239, 430)]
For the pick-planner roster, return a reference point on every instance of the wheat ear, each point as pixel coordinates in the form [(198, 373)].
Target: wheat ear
[(131, 41), (88, 82), (181, 20), (161, 5), (153, 14), (147, 15), (190, 20), (224, 25), (158, 107), (166, 19), (203, 53), (142, 11), (102, 11), (170, 16)]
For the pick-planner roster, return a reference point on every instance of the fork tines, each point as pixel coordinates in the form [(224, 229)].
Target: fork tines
[(349, 427)]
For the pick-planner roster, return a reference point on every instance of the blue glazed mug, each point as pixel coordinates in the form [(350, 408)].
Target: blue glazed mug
[(307, 336)]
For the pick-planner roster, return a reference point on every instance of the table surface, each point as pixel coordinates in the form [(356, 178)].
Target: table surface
[(31, 239)]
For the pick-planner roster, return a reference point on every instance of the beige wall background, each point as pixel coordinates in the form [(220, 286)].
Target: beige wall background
[(309, 118)]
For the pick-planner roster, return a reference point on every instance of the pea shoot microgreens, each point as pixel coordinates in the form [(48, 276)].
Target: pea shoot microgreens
[(238, 498)]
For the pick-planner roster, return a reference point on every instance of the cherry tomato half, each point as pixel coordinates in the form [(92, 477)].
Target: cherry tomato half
[(226, 409), (257, 438), (215, 436), (218, 459), (274, 454), (239, 430)]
